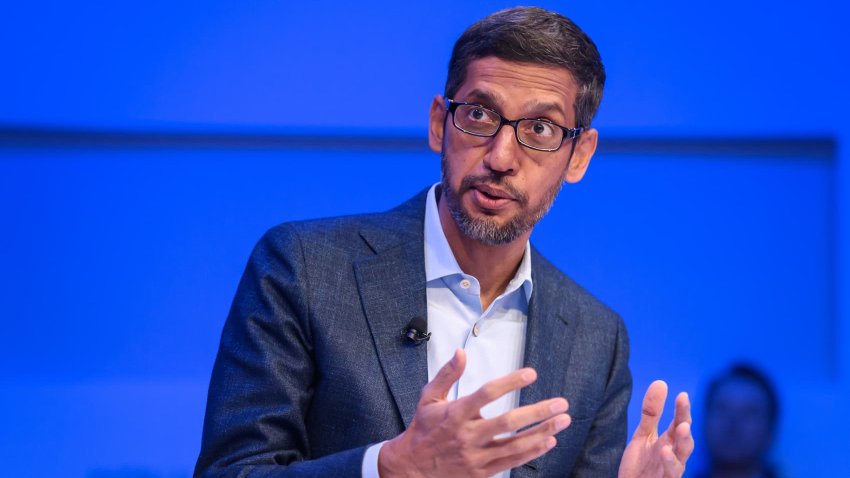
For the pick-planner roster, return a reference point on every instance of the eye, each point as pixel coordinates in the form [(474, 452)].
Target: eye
[(540, 128), (477, 114)]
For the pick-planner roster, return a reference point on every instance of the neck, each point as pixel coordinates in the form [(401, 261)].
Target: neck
[(493, 265)]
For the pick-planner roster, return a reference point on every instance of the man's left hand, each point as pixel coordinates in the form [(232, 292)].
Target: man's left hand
[(649, 455)]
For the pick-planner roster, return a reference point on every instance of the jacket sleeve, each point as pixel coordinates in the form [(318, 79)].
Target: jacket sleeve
[(263, 378), (607, 438)]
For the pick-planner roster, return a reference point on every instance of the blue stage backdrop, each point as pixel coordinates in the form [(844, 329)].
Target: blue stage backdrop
[(145, 147)]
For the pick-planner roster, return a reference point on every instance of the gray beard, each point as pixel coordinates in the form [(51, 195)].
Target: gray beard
[(487, 230)]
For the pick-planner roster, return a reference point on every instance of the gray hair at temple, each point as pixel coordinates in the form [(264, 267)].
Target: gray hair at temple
[(537, 36)]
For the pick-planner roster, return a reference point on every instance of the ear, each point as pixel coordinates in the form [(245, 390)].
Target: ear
[(437, 124), (581, 156)]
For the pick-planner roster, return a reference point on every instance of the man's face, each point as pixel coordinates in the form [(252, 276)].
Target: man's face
[(496, 189), (738, 429)]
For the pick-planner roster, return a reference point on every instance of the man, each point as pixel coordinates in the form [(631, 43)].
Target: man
[(324, 368), (741, 418)]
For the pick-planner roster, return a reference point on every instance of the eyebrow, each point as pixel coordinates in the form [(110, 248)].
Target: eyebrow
[(545, 107), (538, 108), (489, 99)]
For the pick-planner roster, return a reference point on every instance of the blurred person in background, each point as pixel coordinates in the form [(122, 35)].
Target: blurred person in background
[(741, 415)]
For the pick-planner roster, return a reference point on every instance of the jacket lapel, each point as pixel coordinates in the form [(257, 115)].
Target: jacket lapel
[(549, 337), (392, 291)]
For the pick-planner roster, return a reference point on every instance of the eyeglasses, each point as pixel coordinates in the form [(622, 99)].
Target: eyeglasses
[(539, 134)]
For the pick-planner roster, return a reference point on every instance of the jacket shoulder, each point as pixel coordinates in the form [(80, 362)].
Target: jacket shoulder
[(552, 281), (379, 230)]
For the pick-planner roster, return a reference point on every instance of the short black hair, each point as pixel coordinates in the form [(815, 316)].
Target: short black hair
[(537, 36), (751, 374)]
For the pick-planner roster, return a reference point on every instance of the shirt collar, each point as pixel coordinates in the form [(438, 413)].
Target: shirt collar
[(440, 261)]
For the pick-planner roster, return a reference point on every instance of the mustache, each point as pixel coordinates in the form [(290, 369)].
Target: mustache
[(495, 180)]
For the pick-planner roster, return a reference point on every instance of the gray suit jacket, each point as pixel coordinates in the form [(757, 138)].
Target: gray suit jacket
[(313, 367)]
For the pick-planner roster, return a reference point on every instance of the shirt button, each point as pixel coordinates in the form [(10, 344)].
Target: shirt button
[(476, 330), (465, 284)]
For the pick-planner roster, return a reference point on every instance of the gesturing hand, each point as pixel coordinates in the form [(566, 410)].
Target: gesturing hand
[(649, 455), (450, 438)]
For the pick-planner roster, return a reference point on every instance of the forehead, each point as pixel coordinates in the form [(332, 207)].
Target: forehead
[(520, 86), (740, 391)]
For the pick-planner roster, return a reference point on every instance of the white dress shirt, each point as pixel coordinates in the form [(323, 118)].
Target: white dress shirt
[(493, 339)]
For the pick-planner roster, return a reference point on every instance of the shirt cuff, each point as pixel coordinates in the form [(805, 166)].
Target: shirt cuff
[(370, 461)]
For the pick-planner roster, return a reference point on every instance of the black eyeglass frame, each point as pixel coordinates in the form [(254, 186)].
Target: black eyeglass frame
[(569, 133)]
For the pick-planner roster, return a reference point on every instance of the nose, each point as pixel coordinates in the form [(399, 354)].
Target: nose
[(503, 151)]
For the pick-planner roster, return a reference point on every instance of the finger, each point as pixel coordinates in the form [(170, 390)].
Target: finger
[(471, 404), (684, 442), (438, 388), (681, 414), (683, 408), (521, 417), (672, 466), (535, 450), (653, 405), (525, 439)]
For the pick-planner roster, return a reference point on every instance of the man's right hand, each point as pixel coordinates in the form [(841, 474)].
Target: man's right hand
[(450, 438)]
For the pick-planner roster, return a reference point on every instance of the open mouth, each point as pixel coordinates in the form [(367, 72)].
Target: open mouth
[(491, 196), (492, 193), (491, 199)]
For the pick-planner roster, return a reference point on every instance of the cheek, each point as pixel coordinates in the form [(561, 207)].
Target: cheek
[(755, 429), (547, 170), (454, 140), (540, 182), (714, 429), (461, 162)]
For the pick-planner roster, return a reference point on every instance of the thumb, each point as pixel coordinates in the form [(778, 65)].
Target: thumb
[(438, 388), (653, 405)]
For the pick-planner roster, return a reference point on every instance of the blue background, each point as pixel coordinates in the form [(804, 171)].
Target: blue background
[(145, 147)]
